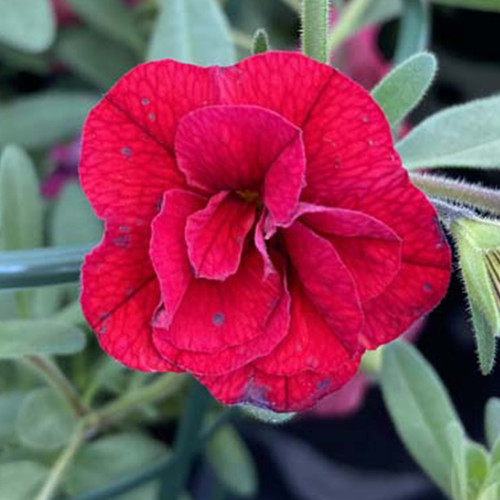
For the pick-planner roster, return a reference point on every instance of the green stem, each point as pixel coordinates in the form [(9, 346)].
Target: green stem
[(186, 442), (57, 380), (162, 387), (315, 29), (474, 195), (347, 23), (56, 475)]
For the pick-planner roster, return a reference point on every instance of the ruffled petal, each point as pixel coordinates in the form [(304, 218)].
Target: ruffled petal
[(120, 293), (169, 251), (216, 236), (247, 149), (327, 282), (369, 248)]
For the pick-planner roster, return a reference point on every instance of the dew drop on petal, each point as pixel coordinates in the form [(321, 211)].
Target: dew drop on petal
[(152, 117), (365, 118), (218, 319), (323, 384), (145, 101), (427, 287)]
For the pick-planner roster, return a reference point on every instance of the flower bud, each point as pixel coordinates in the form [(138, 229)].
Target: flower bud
[(478, 244)]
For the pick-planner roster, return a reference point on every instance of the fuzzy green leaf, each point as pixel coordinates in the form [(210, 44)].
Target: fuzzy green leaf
[(478, 468), (458, 473), (20, 338), (232, 462), (10, 404), (27, 25), (267, 416), (112, 19), (192, 31), (492, 421), (488, 5), (21, 215), (21, 480), (405, 86), (460, 136), (260, 42), (94, 57), (45, 420), (40, 120), (420, 408)]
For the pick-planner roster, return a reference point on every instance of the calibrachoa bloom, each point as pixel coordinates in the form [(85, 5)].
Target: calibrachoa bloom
[(261, 232)]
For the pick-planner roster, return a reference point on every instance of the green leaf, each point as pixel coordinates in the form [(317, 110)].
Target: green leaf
[(458, 474), (491, 493), (478, 468), (460, 136), (192, 31), (20, 338), (113, 19), (27, 25), (73, 221), (111, 458), (95, 58), (492, 421), (267, 416), (232, 462), (420, 409), (495, 455), (260, 42), (45, 420), (21, 480), (405, 86), (10, 404), (488, 5), (413, 35), (21, 214), (40, 120)]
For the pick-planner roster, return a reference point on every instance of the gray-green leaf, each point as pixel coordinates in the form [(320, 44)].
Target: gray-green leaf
[(232, 462), (111, 458), (405, 86), (96, 58), (21, 480), (489, 5), (460, 136), (112, 18), (492, 421), (21, 216), (420, 409), (40, 120), (27, 25), (10, 404), (20, 338), (45, 420), (192, 31)]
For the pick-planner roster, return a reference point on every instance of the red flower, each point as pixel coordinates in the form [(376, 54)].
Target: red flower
[(260, 230)]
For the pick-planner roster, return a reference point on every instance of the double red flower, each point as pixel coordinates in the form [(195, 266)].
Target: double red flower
[(260, 230)]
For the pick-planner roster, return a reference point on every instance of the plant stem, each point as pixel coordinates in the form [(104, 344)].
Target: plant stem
[(162, 387), (347, 23), (56, 379), (471, 194), (315, 29), (450, 213), (186, 442), (56, 475)]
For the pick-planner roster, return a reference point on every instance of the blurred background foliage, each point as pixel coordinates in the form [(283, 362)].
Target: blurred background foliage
[(73, 423)]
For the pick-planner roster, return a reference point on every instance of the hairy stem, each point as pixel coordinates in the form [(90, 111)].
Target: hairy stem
[(450, 189), (347, 23), (315, 29)]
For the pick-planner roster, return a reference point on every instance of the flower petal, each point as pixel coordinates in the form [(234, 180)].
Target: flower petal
[(244, 148), (216, 235), (216, 315), (327, 282), (369, 249), (120, 293), (227, 360), (169, 251)]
